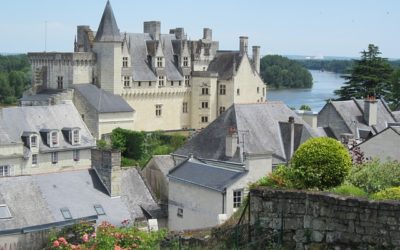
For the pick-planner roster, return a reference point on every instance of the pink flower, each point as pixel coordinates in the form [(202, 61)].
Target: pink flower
[(93, 235), (56, 243), (117, 247), (62, 241), (85, 238)]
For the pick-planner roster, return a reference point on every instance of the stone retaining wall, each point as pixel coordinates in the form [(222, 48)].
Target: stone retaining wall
[(311, 220)]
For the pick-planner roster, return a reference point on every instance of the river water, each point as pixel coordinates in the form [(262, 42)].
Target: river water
[(324, 85)]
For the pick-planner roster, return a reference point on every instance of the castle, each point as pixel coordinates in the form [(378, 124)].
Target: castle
[(170, 82)]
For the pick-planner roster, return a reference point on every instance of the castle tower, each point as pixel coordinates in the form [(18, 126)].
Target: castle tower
[(107, 46)]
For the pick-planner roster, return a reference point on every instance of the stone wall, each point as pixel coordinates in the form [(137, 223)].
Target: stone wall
[(308, 220)]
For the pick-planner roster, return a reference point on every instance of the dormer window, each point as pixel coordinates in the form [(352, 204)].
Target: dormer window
[(72, 135), (125, 62), (75, 136), (185, 61), (33, 141), (160, 63), (54, 138)]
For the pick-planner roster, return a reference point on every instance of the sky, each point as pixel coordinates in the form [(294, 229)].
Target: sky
[(285, 27)]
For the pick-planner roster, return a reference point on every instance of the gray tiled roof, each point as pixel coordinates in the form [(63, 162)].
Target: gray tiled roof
[(36, 200), (164, 162), (172, 71), (108, 29), (258, 129), (101, 100), (18, 120), (198, 173), (225, 64)]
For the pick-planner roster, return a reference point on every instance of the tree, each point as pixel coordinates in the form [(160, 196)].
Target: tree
[(394, 96), (305, 107), (368, 76), (321, 163)]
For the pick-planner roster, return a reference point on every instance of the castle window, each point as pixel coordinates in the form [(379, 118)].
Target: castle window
[(204, 105), (76, 155), (54, 157), (33, 141), (139, 84), (204, 91), (5, 170), (75, 136), (160, 81), (34, 160), (180, 83), (149, 84), (185, 61), (60, 84), (158, 110), (237, 198), (185, 107), (238, 91), (222, 89), (180, 212), (54, 139), (204, 119), (125, 62), (127, 81), (160, 62), (258, 90), (172, 83), (221, 110), (187, 81)]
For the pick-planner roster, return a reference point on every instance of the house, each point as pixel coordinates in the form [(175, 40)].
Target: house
[(31, 205), (384, 145), (171, 82), (41, 139), (251, 128), (358, 119), (102, 111), (204, 193)]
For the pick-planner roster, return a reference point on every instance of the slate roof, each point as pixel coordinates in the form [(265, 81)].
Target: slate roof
[(198, 173), (225, 63), (36, 200), (17, 120), (101, 100), (108, 29), (172, 71), (164, 162), (259, 131), (353, 110)]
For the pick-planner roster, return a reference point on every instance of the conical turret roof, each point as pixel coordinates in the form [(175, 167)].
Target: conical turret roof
[(108, 29)]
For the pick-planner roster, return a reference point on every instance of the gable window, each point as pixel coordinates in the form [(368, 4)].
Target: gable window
[(54, 139), (204, 119), (221, 109), (204, 105), (237, 198), (34, 160), (5, 212), (75, 136), (99, 209), (54, 157), (125, 62), (185, 107), (222, 89), (5, 170), (179, 213), (204, 91), (185, 61), (238, 91), (33, 141), (161, 81), (159, 62), (66, 213), (126, 81), (60, 84), (76, 155), (158, 110), (187, 81)]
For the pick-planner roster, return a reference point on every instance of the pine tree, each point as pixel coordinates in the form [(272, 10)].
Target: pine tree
[(369, 76)]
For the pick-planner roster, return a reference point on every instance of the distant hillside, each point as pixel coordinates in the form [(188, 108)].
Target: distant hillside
[(281, 72)]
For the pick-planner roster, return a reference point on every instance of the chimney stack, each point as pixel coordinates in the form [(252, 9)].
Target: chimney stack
[(243, 44), (370, 110), (207, 34), (153, 28), (231, 142), (291, 121), (256, 58)]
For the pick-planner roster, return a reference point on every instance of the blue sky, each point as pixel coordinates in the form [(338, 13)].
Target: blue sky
[(287, 27)]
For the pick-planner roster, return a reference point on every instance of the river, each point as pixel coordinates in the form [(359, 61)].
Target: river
[(324, 85)]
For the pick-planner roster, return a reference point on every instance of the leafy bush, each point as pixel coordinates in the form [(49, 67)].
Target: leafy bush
[(392, 193), (349, 190), (281, 177), (374, 176), (320, 163)]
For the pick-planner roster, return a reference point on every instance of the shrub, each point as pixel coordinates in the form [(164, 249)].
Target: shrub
[(281, 177), (320, 163), (349, 190), (392, 193), (374, 176)]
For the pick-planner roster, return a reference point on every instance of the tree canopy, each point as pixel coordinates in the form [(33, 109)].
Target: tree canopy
[(370, 75), (281, 72)]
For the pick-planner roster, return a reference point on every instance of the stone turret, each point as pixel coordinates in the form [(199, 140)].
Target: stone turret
[(108, 29)]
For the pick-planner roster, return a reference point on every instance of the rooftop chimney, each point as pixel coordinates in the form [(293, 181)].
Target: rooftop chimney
[(231, 142), (256, 58), (370, 110), (291, 121), (243, 44), (207, 34), (153, 28)]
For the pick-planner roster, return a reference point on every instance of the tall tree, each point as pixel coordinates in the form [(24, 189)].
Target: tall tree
[(368, 76), (394, 96)]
